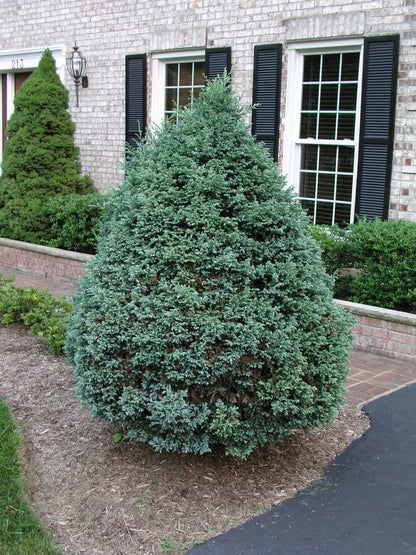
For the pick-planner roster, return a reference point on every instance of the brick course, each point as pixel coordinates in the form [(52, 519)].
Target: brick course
[(384, 332), (44, 262)]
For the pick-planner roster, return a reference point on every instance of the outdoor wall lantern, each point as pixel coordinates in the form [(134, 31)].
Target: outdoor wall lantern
[(76, 65)]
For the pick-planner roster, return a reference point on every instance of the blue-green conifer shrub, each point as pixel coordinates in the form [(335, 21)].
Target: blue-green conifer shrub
[(206, 319)]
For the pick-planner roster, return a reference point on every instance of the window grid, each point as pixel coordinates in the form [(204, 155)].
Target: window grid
[(317, 128), (184, 81)]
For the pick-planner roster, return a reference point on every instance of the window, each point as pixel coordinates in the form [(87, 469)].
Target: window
[(177, 78), (326, 131), (339, 126)]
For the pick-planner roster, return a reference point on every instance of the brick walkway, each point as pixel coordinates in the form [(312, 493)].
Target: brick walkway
[(371, 375)]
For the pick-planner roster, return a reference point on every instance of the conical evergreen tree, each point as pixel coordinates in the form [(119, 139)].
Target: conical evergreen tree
[(206, 318), (40, 159)]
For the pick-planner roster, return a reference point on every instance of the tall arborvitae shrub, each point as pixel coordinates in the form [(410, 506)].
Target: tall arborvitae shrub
[(206, 318), (40, 159)]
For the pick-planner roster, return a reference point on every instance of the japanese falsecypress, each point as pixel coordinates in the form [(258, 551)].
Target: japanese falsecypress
[(40, 159), (206, 318)]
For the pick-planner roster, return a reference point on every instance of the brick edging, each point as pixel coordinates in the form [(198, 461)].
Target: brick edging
[(382, 331), (43, 249), (43, 261)]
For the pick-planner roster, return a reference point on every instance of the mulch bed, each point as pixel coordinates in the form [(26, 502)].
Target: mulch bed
[(99, 496)]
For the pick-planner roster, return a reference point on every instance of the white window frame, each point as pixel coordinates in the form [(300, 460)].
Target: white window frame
[(291, 140), (159, 61)]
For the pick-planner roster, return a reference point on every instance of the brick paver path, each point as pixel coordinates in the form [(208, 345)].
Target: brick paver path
[(373, 375)]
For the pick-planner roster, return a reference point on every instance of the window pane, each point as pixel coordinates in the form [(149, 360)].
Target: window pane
[(327, 126), (326, 184), (346, 126), (345, 159), (344, 187), (171, 75), (330, 67), (329, 97), (185, 96), (311, 68), (170, 100), (350, 63), (310, 96), (348, 97), (327, 158), (308, 126), (309, 156), (196, 92), (199, 73), (342, 213), (185, 76), (324, 213), (309, 206), (307, 184)]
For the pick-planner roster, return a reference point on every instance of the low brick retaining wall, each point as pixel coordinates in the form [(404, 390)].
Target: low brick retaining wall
[(381, 331), (384, 332), (41, 261)]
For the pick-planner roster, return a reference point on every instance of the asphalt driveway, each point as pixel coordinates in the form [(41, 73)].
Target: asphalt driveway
[(364, 504)]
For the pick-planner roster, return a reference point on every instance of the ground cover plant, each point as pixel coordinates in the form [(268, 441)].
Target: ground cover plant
[(44, 315), (20, 529), (40, 159), (381, 257), (206, 319)]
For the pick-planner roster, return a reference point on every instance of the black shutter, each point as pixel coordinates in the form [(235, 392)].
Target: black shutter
[(266, 93), (377, 126), (216, 60), (135, 97)]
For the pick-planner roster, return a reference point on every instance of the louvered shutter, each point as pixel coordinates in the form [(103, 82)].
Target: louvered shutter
[(135, 97), (377, 126), (266, 93), (216, 60)]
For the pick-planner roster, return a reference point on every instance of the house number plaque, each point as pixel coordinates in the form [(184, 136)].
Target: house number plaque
[(17, 63)]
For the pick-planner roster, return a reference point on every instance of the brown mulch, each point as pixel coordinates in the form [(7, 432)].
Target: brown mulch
[(99, 496)]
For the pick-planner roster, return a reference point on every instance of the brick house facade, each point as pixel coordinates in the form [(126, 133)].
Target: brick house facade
[(335, 81)]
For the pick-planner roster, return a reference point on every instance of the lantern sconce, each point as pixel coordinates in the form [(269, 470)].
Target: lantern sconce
[(76, 65)]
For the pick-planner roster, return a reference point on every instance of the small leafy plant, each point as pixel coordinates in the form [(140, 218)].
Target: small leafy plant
[(44, 315)]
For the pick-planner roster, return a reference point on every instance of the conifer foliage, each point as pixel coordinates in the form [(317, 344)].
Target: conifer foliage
[(206, 319), (40, 159)]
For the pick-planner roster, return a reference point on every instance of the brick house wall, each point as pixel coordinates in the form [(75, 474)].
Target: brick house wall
[(107, 31)]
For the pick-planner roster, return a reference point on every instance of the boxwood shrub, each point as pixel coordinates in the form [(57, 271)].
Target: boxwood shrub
[(74, 221), (382, 257), (206, 318)]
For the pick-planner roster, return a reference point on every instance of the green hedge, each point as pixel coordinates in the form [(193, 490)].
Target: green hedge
[(374, 262), (74, 221)]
